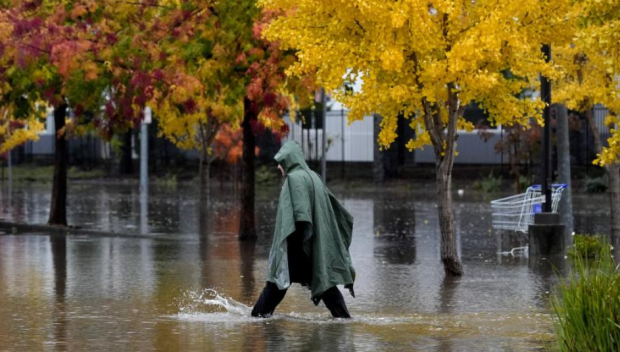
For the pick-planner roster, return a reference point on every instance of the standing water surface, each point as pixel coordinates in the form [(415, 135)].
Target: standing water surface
[(188, 284)]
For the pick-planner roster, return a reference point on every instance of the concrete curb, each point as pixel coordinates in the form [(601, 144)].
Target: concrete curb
[(15, 228)]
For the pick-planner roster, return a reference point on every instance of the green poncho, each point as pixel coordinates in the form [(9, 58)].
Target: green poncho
[(327, 235)]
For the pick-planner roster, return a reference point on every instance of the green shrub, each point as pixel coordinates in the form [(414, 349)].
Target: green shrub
[(489, 184), (167, 180), (116, 144), (596, 184), (586, 304), (524, 182), (76, 173), (266, 175), (586, 246)]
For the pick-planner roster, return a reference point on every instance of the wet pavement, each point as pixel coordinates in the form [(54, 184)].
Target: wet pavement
[(190, 286)]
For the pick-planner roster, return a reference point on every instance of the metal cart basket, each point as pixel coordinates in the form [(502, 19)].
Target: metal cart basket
[(516, 213)]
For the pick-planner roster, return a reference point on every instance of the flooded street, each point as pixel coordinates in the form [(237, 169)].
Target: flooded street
[(188, 284)]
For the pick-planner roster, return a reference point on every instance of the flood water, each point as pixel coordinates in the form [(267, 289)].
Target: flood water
[(188, 284)]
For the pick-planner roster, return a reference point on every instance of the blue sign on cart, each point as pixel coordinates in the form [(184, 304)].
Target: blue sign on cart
[(536, 208)]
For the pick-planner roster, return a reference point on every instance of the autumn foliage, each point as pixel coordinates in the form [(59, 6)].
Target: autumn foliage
[(591, 64), (223, 71), (424, 61)]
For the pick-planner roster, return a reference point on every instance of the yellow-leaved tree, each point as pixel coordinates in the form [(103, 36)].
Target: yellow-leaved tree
[(16, 128), (592, 65), (425, 60), (15, 132)]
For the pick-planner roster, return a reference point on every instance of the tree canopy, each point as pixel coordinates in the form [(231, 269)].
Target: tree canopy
[(421, 59), (592, 68)]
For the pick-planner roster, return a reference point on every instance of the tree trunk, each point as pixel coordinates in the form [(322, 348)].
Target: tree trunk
[(515, 165), (449, 254), (444, 144), (445, 163), (58, 208), (126, 154), (200, 170), (378, 171), (207, 180), (203, 155), (247, 227), (564, 171), (613, 172), (614, 180)]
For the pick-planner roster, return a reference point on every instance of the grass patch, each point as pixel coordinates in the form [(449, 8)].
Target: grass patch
[(27, 173), (75, 173), (169, 180), (489, 184), (587, 302)]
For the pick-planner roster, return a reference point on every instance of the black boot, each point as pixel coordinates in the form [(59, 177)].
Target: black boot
[(335, 303), (268, 301)]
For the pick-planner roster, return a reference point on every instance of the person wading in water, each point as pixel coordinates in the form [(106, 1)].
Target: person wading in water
[(311, 240)]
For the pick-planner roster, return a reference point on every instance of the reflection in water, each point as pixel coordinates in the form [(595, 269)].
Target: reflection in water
[(447, 291), (59, 258), (511, 244), (203, 236), (114, 207), (144, 211), (247, 257), (394, 226), (83, 293), (6, 198), (325, 337), (547, 270), (126, 207), (256, 338)]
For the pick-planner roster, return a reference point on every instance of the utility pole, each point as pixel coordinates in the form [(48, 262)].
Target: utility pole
[(144, 148), (324, 156), (313, 126), (545, 92), (144, 170), (10, 168), (546, 235), (564, 171)]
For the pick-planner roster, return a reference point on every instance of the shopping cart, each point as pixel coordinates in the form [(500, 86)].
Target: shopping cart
[(516, 213)]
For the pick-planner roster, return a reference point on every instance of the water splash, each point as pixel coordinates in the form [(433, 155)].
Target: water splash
[(195, 302), (211, 306)]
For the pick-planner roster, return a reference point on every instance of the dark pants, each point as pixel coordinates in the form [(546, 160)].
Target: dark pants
[(272, 296)]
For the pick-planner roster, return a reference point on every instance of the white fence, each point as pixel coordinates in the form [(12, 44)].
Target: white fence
[(353, 142)]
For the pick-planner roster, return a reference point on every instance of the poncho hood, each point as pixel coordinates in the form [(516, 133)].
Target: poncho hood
[(291, 157), (328, 227)]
